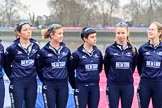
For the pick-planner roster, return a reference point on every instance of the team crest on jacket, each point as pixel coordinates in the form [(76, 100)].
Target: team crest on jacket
[(63, 53), (115, 54), (34, 50), (96, 56), (147, 53), (128, 54), (159, 53)]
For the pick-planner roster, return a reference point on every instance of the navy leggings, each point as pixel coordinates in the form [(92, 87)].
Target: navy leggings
[(123, 92), (150, 89), (2, 93), (87, 95), (55, 94), (23, 91)]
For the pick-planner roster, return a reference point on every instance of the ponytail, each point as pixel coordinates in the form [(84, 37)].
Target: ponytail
[(133, 48)]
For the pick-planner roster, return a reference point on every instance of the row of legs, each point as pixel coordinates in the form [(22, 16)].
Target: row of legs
[(56, 95)]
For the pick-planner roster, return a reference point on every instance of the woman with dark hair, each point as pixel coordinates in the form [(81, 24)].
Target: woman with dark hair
[(20, 67), (86, 65)]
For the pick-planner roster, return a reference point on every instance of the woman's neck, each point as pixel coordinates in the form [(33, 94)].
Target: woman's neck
[(88, 47), (154, 42), (124, 44), (24, 43), (55, 45)]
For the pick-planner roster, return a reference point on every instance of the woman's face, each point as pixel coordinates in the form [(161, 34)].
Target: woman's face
[(152, 31), (58, 35), (91, 39), (121, 34), (25, 32)]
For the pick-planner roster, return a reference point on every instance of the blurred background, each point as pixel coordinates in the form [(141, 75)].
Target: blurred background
[(75, 13)]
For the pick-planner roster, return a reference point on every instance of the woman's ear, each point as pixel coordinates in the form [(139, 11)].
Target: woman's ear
[(18, 33), (51, 35), (84, 39)]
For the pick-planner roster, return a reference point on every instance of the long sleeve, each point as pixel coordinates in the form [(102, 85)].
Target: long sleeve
[(101, 63), (68, 63), (140, 62), (8, 58), (1, 56), (74, 59), (134, 61), (106, 62), (39, 65), (1, 59)]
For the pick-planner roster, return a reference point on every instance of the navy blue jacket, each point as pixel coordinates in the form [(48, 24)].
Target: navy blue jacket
[(119, 64), (20, 62), (150, 61), (53, 65), (1, 59), (87, 66)]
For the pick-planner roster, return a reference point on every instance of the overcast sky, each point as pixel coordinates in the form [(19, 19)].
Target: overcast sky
[(39, 7)]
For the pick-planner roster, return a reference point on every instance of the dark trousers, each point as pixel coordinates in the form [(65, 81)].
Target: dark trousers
[(150, 90), (23, 91), (2, 93), (87, 95), (123, 92), (55, 94)]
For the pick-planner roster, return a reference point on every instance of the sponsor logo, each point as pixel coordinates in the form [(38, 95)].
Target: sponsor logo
[(115, 54), (50, 54), (159, 53), (58, 64), (122, 65), (63, 53), (45, 87), (153, 64), (27, 62), (129, 54), (84, 57), (19, 52), (147, 53), (91, 67), (34, 50)]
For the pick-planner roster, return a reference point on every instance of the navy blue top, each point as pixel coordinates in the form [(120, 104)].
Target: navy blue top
[(87, 66), (119, 64), (20, 62), (1, 59), (150, 61), (53, 65)]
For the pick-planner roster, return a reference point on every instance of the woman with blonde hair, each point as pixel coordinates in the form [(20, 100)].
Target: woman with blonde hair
[(53, 67), (150, 68)]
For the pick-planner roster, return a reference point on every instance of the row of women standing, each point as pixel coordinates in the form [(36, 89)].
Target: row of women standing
[(55, 66)]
